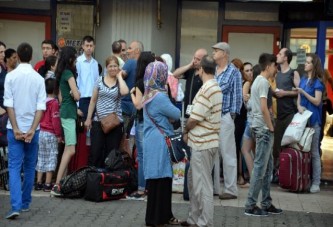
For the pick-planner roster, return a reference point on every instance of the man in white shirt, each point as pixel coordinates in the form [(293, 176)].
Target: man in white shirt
[(25, 98), (87, 71)]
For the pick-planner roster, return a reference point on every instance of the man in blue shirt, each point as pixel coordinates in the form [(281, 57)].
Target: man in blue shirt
[(229, 79), (87, 71), (129, 73)]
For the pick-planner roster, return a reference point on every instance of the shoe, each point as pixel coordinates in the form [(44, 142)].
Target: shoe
[(226, 196), (273, 210), (256, 211), (12, 215), (47, 187), (314, 188), (185, 223), (175, 221), (56, 190), (136, 196), (25, 209), (39, 186), (246, 185)]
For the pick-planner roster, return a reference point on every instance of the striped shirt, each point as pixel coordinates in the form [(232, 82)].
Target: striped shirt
[(230, 82), (108, 100), (207, 110)]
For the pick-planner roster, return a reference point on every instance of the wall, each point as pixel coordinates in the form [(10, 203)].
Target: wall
[(164, 39), (123, 19)]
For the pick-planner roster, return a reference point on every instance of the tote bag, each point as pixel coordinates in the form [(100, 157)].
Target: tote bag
[(296, 128)]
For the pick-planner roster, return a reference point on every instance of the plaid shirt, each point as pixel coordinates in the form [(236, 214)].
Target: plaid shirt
[(230, 82)]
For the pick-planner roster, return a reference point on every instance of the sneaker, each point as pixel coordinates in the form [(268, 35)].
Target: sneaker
[(47, 187), (273, 210), (25, 209), (39, 186), (56, 190), (12, 214), (314, 188), (256, 211), (136, 196), (226, 196)]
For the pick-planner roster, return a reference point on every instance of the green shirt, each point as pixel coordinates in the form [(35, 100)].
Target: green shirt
[(68, 108)]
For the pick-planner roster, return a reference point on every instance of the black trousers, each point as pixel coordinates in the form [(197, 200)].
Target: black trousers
[(102, 144), (159, 210)]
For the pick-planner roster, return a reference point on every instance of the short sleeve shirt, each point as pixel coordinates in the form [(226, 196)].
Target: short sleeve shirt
[(68, 108)]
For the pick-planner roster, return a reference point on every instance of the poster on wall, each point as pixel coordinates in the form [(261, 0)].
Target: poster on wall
[(64, 21), (73, 23)]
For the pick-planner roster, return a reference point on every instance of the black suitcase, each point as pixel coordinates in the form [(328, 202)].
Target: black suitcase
[(4, 176), (104, 185)]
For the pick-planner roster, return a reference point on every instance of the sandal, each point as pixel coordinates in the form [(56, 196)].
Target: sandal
[(174, 221)]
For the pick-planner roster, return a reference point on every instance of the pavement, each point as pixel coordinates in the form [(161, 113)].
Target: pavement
[(299, 209)]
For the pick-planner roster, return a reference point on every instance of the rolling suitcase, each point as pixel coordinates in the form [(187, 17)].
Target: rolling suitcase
[(104, 185), (80, 158), (295, 170)]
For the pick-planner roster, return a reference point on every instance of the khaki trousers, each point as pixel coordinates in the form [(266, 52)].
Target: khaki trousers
[(200, 186)]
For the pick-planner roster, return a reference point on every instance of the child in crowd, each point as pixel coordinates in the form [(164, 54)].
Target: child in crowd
[(49, 137)]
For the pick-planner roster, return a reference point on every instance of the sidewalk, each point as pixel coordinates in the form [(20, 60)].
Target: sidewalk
[(299, 210)]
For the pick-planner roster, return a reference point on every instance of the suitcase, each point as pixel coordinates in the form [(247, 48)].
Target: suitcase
[(104, 186), (4, 176), (295, 170), (80, 158)]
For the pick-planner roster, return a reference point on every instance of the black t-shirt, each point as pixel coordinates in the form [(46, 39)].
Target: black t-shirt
[(139, 113), (193, 85), (2, 86)]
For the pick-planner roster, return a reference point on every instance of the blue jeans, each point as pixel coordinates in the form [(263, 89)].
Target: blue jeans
[(262, 169), (139, 148), (316, 165), (21, 154)]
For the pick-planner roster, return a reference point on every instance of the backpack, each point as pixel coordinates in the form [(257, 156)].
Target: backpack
[(74, 185)]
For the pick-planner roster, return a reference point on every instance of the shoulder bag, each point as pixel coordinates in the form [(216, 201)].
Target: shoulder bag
[(177, 148)]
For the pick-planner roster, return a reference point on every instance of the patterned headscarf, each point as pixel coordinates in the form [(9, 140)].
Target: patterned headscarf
[(155, 78)]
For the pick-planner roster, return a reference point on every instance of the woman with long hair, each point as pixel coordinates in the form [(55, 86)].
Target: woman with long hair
[(106, 98), (157, 112), (136, 95), (310, 98), (68, 95)]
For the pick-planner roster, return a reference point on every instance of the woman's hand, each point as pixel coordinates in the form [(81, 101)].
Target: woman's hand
[(246, 97), (87, 123), (299, 90), (300, 109), (133, 90)]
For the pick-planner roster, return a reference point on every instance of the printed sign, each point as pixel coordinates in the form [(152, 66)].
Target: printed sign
[(301, 56), (65, 21)]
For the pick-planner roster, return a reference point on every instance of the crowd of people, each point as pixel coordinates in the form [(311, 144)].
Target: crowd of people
[(233, 110)]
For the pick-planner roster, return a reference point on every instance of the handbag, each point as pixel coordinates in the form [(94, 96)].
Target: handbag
[(306, 140), (296, 128), (177, 148), (109, 122)]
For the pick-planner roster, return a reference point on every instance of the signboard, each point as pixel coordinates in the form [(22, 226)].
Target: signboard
[(65, 21)]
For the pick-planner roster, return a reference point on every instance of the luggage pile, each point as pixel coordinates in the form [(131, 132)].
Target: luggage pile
[(115, 181)]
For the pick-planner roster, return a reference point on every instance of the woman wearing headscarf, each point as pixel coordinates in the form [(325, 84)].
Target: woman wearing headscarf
[(158, 111)]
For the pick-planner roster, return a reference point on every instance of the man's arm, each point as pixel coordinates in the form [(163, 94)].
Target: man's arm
[(178, 73), (31, 133), (293, 93), (11, 115), (265, 113), (191, 123)]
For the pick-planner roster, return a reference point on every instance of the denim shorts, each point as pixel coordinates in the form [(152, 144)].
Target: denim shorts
[(248, 131), (69, 127)]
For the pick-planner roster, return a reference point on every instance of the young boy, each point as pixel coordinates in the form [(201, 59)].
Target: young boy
[(263, 129), (49, 137)]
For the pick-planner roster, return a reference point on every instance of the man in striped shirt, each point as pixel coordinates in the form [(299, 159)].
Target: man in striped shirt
[(202, 135), (229, 79)]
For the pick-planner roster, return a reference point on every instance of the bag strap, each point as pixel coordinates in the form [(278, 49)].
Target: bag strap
[(152, 120)]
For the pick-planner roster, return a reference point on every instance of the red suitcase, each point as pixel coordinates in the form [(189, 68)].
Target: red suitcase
[(295, 170), (80, 158)]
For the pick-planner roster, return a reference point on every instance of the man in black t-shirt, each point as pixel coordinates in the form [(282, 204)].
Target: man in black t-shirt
[(190, 73)]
